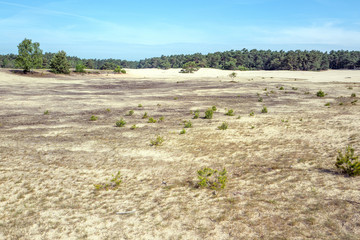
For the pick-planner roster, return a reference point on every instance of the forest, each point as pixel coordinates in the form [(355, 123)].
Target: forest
[(228, 60)]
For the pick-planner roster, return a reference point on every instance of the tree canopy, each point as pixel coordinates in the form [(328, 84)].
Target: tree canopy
[(30, 55), (59, 63)]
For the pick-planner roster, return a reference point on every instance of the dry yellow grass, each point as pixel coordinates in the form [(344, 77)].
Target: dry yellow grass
[(282, 182)]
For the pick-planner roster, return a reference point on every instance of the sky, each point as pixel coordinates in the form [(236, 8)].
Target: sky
[(134, 30)]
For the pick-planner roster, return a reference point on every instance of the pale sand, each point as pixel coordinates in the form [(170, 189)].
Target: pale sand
[(282, 182)]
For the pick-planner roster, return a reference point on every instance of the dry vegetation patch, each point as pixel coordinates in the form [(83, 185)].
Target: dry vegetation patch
[(281, 183)]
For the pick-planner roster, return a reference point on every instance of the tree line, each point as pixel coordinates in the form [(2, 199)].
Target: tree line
[(228, 60)]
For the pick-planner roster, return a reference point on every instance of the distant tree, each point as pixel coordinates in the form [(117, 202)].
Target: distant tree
[(59, 63), (189, 67), (30, 55), (108, 66), (89, 64)]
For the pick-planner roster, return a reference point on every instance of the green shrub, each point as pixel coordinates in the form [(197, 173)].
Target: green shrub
[(130, 113), (161, 119), (118, 69), (214, 108), (320, 94), (327, 104), (294, 88), (230, 112), (209, 113), (140, 105), (213, 179), (183, 131), (189, 67), (80, 68), (260, 99), (123, 71), (108, 110), (133, 127), (46, 112), (348, 163), (120, 123), (188, 124), (232, 75), (223, 126), (353, 95), (152, 120), (145, 115), (115, 182), (158, 141), (243, 68), (251, 114), (264, 110), (196, 114), (93, 118), (281, 88)]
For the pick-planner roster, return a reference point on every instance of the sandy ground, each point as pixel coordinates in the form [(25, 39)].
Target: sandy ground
[(282, 181)]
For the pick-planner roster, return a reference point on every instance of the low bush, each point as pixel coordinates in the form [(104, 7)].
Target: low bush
[(183, 131), (133, 127), (230, 112), (120, 123), (223, 126), (353, 95), (188, 124), (348, 162), (152, 120), (158, 141), (213, 179), (115, 182), (214, 108), (209, 113), (196, 114), (130, 113), (264, 110), (46, 112), (320, 94), (93, 118), (145, 115)]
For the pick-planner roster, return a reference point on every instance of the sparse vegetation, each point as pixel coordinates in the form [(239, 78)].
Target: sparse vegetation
[(93, 118), (327, 104), (196, 114), (183, 131), (251, 114), (140, 105), (46, 112), (281, 88), (348, 162), (223, 126), (264, 110), (209, 113), (120, 123), (115, 182), (320, 94), (145, 115), (214, 108), (130, 113), (161, 119), (232, 75), (158, 141), (230, 112), (189, 67), (152, 120), (260, 99), (353, 95), (213, 179), (133, 127), (188, 124), (108, 110)]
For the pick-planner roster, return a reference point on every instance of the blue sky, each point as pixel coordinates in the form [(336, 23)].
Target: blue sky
[(141, 29)]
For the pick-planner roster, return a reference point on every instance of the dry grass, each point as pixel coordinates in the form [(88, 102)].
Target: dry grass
[(282, 182)]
